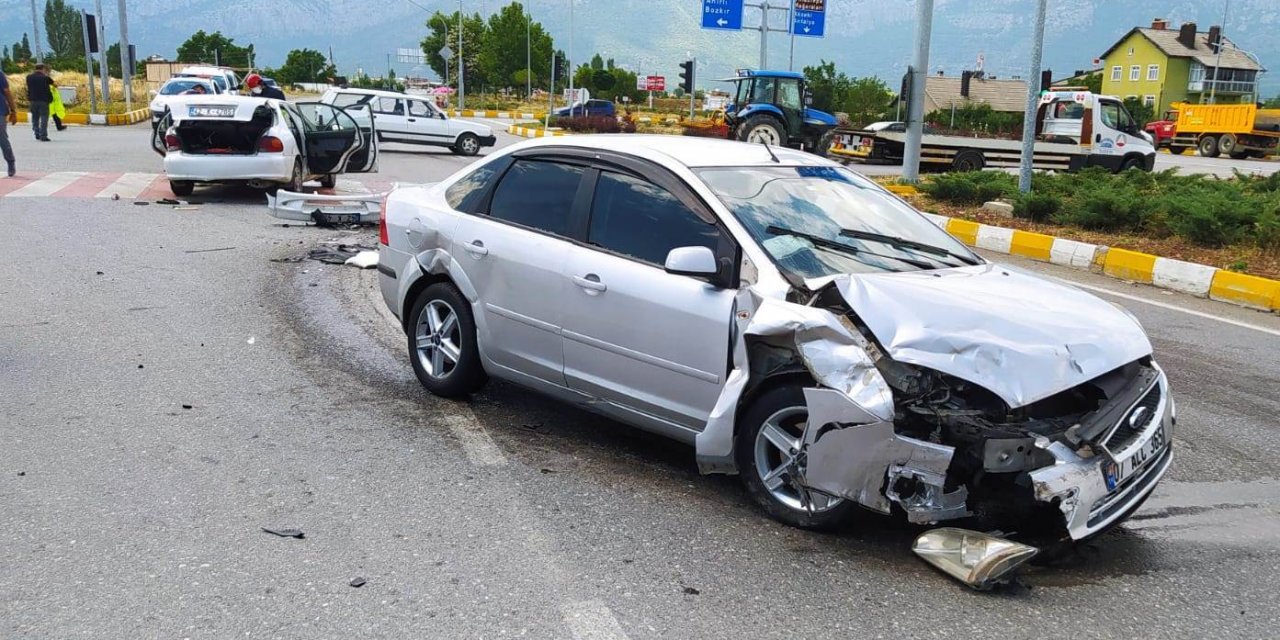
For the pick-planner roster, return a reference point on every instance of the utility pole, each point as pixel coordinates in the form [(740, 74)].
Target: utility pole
[(572, 94), (528, 55), (102, 53), (1217, 63), (1033, 100), (35, 31), (764, 28), (551, 93), (88, 61), (915, 109), (791, 26), (462, 90), (126, 73)]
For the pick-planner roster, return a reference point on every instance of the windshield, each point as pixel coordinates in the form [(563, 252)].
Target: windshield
[(178, 86), (826, 207)]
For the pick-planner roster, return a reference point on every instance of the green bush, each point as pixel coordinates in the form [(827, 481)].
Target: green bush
[(1036, 205), (1107, 209), (975, 187)]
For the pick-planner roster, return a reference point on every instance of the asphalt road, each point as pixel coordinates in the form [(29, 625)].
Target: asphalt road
[(167, 390)]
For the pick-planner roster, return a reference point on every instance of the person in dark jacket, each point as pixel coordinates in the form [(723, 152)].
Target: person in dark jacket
[(39, 95), (261, 89)]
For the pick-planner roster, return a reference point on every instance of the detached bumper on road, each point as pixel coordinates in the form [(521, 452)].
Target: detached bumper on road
[(219, 167)]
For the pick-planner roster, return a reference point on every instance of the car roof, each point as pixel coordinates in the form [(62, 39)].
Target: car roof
[(200, 79), (378, 92), (686, 150)]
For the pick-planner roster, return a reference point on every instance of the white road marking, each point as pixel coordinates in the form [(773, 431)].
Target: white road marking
[(591, 620), (1172, 307), (128, 185), (476, 443), (48, 185)]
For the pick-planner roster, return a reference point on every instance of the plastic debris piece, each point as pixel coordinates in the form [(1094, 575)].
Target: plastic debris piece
[(286, 533), (186, 406), (358, 582), (364, 260), (690, 591)]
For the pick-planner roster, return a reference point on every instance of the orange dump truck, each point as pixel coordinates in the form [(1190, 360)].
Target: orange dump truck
[(1237, 130)]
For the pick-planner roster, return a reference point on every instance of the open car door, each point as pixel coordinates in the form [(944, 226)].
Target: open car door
[(158, 132), (365, 159), (332, 137)]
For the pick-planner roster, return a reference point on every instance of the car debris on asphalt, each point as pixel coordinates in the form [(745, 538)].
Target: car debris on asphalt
[(286, 533)]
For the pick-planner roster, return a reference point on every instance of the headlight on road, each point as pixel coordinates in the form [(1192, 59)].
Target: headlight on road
[(976, 559)]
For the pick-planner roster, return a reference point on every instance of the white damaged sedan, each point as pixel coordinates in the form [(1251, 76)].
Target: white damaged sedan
[(797, 324)]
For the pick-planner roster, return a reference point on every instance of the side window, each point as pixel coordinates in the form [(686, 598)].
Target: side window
[(346, 99), (389, 106), (466, 194), (639, 219), (419, 109), (537, 194), (789, 94), (1111, 114)]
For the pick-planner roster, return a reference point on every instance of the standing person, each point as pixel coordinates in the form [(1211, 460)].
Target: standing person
[(57, 111), (9, 114), (40, 94), (261, 89)]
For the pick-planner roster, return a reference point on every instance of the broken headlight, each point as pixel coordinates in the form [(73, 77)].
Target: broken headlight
[(976, 559)]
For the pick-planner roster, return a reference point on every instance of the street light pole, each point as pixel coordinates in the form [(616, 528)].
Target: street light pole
[(915, 109), (462, 90), (1033, 99), (102, 53), (35, 31), (1217, 63), (528, 55), (572, 94), (126, 74)]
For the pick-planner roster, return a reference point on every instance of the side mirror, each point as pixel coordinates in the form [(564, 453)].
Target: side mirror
[(443, 116), (692, 261)]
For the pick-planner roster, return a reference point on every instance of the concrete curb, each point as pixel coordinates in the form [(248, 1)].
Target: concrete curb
[(528, 132), (471, 113), (1187, 277), (113, 119)]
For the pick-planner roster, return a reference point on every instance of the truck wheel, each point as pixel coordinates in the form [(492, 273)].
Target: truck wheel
[(968, 160), (181, 187), (768, 434), (1239, 154), (763, 128), (1209, 147), (823, 146), (1130, 163), (1177, 150), (1227, 144)]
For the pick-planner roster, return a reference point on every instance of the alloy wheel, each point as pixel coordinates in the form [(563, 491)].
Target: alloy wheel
[(438, 339), (776, 446)]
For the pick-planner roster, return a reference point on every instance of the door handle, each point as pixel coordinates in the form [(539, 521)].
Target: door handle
[(476, 248), (1097, 137), (412, 119), (590, 282)]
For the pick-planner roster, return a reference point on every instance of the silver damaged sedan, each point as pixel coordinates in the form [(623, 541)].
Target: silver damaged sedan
[(796, 323)]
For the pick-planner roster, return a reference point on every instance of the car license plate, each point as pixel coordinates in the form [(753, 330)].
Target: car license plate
[(210, 111), (336, 218), (1116, 472)]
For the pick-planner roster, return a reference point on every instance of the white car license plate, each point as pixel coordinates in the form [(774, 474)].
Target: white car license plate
[(210, 111), (1116, 472)]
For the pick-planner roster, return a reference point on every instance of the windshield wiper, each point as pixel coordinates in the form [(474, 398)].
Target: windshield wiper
[(827, 243), (904, 243)]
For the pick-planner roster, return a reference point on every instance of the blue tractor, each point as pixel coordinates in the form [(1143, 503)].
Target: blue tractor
[(772, 107)]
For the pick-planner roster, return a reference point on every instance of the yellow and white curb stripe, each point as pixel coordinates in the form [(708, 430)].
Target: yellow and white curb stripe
[(128, 117), (510, 115), (529, 132), (1187, 277)]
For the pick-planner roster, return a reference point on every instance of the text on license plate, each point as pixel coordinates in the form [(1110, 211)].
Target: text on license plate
[(1115, 473), (210, 111)]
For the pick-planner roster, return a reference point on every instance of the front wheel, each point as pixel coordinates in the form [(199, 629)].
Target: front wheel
[(764, 129), (467, 145), (1177, 150), (768, 441), (442, 343), (1131, 163)]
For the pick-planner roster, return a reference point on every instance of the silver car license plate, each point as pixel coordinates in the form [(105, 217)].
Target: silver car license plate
[(1117, 471), (210, 111)]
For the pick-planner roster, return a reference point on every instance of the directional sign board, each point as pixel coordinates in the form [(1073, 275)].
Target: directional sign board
[(722, 14), (810, 19)]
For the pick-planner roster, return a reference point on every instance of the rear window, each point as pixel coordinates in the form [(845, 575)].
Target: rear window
[(176, 87)]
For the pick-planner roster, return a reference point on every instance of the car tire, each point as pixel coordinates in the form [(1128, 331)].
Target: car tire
[(763, 128), (1209, 147), (329, 180), (1130, 163), (467, 145), (780, 410), (823, 146), (182, 187), (441, 323), (968, 160), (296, 179), (1177, 150)]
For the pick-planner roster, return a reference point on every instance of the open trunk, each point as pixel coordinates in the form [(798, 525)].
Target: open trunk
[(227, 137)]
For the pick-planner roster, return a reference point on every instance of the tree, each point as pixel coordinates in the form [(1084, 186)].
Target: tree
[(22, 49), (597, 63), (503, 56), (214, 47), (1142, 113), (62, 25), (1094, 82), (865, 100), (304, 65), (444, 31), (1273, 103)]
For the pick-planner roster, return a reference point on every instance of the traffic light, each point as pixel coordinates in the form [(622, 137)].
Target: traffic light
[(686, 76)]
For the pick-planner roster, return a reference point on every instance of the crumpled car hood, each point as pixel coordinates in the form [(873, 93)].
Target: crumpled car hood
[(1021, 337)]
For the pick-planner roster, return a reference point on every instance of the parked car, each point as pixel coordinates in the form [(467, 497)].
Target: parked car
[(177, 86), (262, 142), (407, 119), (228, 80), (591, 108), (794, 321)]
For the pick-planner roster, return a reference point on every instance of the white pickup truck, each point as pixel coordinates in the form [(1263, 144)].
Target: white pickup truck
[(1074, 130)]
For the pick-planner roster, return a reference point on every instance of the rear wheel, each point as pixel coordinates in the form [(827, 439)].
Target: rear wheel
[(1239, 154), (768, 440), (1227, 144), (968, 160), (182, 187), (442, 342), (764, 129), (1177, 150), (329, 180), (467, 145), (1209, 147)]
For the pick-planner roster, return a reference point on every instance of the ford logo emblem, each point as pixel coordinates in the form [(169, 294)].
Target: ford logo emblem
[(1139, 417)]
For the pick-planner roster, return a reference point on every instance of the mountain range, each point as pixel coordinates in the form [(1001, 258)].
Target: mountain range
[(863, 37)]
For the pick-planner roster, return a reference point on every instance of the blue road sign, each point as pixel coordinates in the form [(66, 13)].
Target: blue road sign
[(810, 18), (722, 14)]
